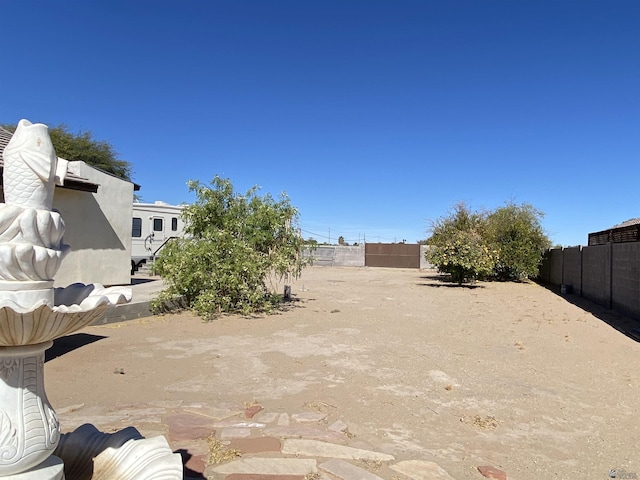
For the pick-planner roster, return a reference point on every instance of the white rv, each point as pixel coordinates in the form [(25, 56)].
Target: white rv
[(153, 225)]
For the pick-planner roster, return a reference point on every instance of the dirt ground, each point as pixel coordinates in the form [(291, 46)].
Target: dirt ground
[(511, 375)]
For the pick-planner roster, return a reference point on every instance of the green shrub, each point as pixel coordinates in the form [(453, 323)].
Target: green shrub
[(506, 244), (516, 233), (234, 244), (457, 247)]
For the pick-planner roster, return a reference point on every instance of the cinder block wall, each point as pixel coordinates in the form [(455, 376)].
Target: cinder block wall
[(321, 255), (337, 255), (572, 268), (608, 275), (349, 256), (424, 265), (596, 274), (544, 273), (625, 278), (555, 267)]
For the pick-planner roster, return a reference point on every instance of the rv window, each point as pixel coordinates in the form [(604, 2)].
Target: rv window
[(174, 224), (136, 229), (157, 225)]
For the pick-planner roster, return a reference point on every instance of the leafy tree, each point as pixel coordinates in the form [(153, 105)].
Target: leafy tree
[(83, 146), (516, 233), (461, 218), (457, 247), (506, 244), (464, 255), (234, 245)]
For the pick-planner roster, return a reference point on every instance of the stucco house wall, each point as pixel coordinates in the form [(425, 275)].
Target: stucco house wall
[(98, 229)]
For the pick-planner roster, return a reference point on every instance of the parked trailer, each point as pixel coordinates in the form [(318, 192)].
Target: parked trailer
[(153, 225)]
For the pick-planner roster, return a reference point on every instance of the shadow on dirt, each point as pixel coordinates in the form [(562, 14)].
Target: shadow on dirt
[(625, 325), (188, 473), (291, 303), (284, 306), (69, 343), (440, 281)]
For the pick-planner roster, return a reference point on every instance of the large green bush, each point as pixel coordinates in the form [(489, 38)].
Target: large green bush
[(463, 255), (516, 233), (234, 246), (506, 244), (457, 247)]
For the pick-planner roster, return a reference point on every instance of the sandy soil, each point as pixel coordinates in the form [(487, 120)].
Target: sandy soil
[(510, 375)]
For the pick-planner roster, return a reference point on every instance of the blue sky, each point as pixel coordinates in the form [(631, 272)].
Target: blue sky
[(375, 117)]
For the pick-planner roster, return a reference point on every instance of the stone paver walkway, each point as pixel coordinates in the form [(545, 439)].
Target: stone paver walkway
[(245, 442)]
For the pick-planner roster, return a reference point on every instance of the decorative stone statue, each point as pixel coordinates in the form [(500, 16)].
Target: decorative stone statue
[(33, 314), (31, 167)]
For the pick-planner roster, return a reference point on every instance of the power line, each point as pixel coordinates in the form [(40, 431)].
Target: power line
[(361, 238)]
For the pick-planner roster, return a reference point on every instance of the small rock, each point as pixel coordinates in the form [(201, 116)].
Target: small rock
[(304, 431), (338, 426), (269, 417), (250, 412), (232, 432), (421, 470), (346, 471), (256, 445), (283, 420), (265, 466), (316, 448), (238, 424), (492, 472), (308, 417), (185, 426)]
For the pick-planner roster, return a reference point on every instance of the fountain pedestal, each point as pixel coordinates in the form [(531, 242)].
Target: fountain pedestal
[(29, 428)]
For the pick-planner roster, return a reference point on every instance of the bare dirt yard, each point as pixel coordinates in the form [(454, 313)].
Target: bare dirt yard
[(513, 376)]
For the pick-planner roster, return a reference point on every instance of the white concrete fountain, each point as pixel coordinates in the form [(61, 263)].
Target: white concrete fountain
[(32, 315)]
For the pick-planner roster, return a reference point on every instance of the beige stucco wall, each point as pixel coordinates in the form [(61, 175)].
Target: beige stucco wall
[(98, 229)]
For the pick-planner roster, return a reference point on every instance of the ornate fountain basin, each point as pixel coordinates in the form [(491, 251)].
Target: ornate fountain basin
[(81, 305)]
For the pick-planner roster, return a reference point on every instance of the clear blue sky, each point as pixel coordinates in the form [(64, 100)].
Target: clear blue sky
[(375, 117)]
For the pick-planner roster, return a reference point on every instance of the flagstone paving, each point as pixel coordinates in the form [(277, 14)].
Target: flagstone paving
[(263, 445)]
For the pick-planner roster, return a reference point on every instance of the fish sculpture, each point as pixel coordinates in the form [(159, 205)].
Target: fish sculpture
[(31, 246), (31, 167)]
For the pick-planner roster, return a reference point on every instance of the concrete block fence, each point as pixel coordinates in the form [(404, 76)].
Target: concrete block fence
[(348, 256), (608, 275)]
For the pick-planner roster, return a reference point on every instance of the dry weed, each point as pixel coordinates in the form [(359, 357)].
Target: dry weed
[(219, 452), (373, 465), (486, 423)]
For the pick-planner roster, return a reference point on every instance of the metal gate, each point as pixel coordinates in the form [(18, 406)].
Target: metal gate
[(395, 255)]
